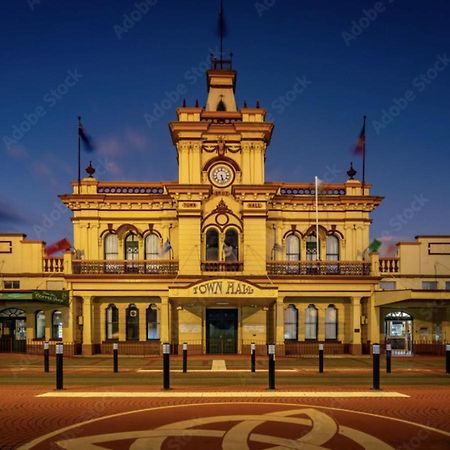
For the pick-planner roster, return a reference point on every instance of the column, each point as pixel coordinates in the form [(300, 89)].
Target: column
[(122, 321), (279, 325), (321, 322), (374, 320), (87, 348), (355, 332), (165, 320)]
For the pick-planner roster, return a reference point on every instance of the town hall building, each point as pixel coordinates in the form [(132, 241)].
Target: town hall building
[(222, 258)]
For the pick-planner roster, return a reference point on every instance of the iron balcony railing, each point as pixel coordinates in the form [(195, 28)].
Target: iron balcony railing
[(318, 268), (222, 266), (150, 267)]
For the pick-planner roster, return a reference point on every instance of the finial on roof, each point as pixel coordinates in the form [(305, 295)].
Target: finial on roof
[(90, 169), (184, 103), (351, 172)]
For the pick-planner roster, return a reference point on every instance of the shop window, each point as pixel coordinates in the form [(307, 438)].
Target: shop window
[(231, 245), (112, 322), (57, 325), (331, 322), (39, 325), (291, 323), (152, 322), (311, 324), (132, 323), (212, 245)]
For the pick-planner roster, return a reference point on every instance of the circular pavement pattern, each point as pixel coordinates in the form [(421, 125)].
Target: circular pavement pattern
[(243, 425)]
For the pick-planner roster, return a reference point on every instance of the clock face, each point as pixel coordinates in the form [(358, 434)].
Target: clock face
[(221, 175)]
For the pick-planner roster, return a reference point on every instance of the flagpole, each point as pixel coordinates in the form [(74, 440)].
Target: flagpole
[(79, 155), (364, 157), (317, 219)]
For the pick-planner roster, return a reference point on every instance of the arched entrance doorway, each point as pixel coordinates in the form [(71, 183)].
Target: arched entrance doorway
[(398, 329), (13, 330)]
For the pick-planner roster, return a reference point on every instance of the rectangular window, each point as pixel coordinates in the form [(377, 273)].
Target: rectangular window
[(387, 285), (447, 285), (429, 285), (11, 284)]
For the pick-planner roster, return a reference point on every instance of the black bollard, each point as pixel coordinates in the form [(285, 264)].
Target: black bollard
[(271, 366), (46, 357), (320, 358), (376, 366), (447, 358), (388, 358), (115, 357), (185, 354), (59, 366), (166, 366), (253, 356)]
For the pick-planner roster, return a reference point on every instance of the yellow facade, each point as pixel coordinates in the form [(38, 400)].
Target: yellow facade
[(219, 259)]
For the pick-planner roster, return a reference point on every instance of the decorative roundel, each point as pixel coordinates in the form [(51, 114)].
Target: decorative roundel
[(221, 175)]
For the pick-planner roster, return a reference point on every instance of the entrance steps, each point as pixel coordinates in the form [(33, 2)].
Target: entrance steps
[(218, 365)]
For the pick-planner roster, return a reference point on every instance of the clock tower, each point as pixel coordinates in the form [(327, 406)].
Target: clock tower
[(219, 144)]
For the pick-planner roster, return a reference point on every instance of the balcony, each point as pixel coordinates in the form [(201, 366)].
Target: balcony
[(53, 265), (347, 268), (389, 265), (222, 266), (125, 267)]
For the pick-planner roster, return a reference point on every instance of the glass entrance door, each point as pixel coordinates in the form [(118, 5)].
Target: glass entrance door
[(12, 335), (221, 330)]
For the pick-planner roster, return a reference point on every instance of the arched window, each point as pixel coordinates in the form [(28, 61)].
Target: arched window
[(112, 322), (132, 323), (152, 322), (111, 246), (311, 322), (332, 248), (39, 330), (221, 106), (331, 322), (57, 325), (212, 245), (291, 323), (152, 246), (231, 245), (311, 247), (292, 248), (131, 247)]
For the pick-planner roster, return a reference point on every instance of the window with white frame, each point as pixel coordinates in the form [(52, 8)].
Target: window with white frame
[(111, 246), (57, 325), (152, 322), (152, 242), (291, 323), (311, 247), (292, 248), (311, 323), (131, 247), (112, 322), (331, 322), (39, 330), (11, 284), (332, 248)]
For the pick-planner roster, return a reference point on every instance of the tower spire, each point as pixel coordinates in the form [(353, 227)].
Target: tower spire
[(221, 32)]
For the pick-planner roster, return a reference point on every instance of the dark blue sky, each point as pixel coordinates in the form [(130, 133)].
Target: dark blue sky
[(114, 64)]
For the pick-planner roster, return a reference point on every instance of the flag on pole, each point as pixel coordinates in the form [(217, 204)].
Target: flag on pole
[(166, 248), (85, 138), (58, 246), (375, 245), (361, 143)]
